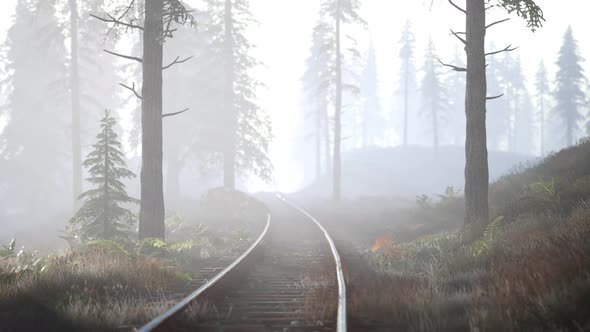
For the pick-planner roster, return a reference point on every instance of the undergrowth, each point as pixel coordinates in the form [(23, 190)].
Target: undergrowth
[(528, 269)]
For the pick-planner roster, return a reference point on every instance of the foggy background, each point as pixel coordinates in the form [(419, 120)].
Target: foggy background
[(283, 38)]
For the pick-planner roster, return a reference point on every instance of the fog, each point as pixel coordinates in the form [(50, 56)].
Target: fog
[(286, 125)]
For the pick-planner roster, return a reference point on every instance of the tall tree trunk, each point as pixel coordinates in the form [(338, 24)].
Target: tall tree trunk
[(172, 177), (75, 86), (365, 133), (569, 133), (318, 142), (476, 153), (406, 111), (542, 138), (105, 193), (151, 213), (327, 146), (336, 176), (515, 132), (435, 130), (229, 155)]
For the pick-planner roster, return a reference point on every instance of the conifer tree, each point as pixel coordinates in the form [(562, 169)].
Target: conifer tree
[(316, 83), (542, 99), (103, 215), (335, 15), (455, 84), (34, 143), (157, 24), (498, 110), (408, 73), (93, 93), (569, 93), (235, 130), (520, 132), (476, 149), (373, 123), (434, 102)]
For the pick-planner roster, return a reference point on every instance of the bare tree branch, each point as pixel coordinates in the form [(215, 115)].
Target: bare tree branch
[(132, 89), (495, 97), (129, 7), (458, 37), (455, 68), (129, 57), (497, 22), (175, 113), (508, 48), (458, 8), (176, 61), (115, 21)]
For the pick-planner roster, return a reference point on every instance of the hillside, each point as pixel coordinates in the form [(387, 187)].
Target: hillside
[(409, 171)]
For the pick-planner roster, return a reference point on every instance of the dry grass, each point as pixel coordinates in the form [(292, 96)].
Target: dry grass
[(537, 282), (91, 290), (529, 271)]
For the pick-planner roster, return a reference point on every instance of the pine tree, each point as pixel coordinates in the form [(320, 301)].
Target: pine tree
[(317, 96), (520, 132), (185, 88), (569, 93), (434, 99), (373, 123), (498, 111), (408, 73), (92, 94), (235, 130), (34, 143), (103, 215), (542, 95), (335, 15), (99, 71), (159, 19), (476, 150), (455, 84)]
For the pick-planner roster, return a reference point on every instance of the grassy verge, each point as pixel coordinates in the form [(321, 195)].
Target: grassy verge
[(417, 269), (106, 285)]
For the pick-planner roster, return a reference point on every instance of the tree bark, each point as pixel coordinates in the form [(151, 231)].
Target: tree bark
[(406, 111), (336, 176), (173, 177), (326, 137), (151, 215), (435, 142), (569, 131), (75, 95), (476, 167), (542, 129), (318, 142), (229, 155)]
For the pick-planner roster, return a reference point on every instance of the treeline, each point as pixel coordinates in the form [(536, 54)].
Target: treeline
[(182, 75), (528, 116)]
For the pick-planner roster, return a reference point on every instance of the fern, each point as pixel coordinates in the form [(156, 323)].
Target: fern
[(493, 232), (8, 250), (424, 201), (110, 246)]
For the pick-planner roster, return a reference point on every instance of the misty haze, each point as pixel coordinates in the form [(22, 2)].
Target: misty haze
[(313, 165)]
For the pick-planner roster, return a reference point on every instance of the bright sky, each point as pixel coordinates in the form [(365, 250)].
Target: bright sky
[(283, 40)]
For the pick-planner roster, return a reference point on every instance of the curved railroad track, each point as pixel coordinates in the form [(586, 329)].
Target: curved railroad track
[(289, 280)]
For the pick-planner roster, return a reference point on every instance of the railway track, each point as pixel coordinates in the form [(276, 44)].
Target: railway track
[(289, 280)]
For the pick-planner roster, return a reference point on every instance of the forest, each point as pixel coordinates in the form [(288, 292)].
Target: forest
[(317, 165)]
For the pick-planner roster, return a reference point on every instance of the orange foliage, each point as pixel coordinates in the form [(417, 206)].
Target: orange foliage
[(386, 244)]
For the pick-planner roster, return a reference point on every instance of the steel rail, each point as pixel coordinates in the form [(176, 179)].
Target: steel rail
[(341, 316), (156, 322)]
